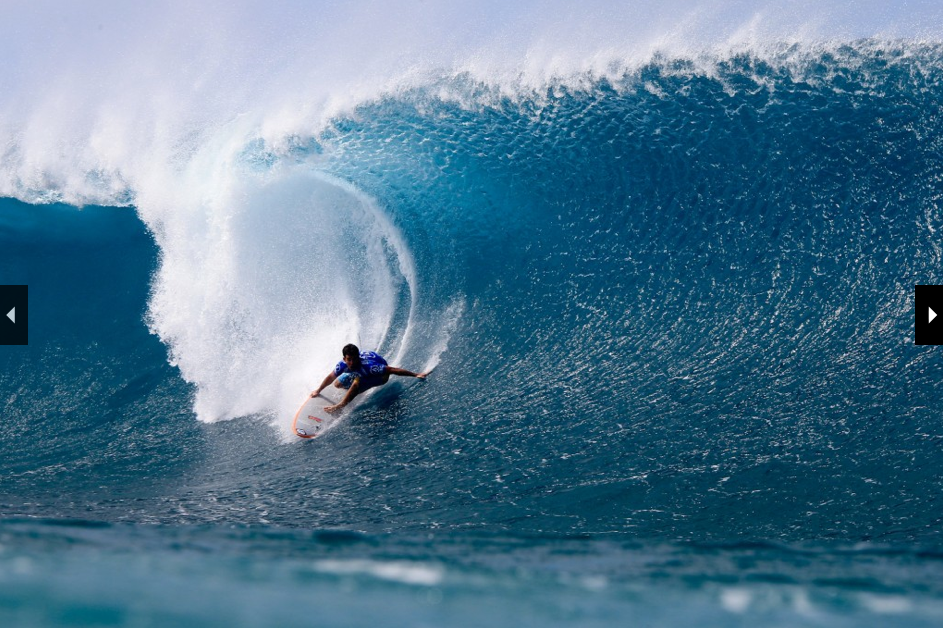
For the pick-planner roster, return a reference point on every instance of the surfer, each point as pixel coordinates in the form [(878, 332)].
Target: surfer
[(360, 371)]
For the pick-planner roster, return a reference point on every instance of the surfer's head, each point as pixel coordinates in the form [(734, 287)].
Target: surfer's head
[(351, 356)]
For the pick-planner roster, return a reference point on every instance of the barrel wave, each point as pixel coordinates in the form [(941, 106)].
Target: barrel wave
[(671, 301), (677, 305)]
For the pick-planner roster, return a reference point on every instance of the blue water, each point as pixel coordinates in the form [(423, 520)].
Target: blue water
[(669, 308)]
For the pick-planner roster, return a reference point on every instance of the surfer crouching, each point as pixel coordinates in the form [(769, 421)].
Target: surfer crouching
[(360, 371)]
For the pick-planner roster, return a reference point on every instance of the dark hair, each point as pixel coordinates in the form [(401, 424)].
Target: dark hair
[(351, 351)]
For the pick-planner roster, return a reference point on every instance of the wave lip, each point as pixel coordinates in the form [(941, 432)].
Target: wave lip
[(119, 99)]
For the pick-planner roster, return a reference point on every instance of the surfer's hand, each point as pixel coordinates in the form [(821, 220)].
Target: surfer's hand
[(315, 394), (422, 375), (333, 409)]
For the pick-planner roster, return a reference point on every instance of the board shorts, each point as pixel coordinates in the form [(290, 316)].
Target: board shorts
[(372, 371)]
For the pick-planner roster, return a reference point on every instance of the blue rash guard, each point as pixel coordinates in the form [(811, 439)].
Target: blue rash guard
[(372, 371)]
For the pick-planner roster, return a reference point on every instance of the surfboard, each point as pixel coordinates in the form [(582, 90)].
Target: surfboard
[(311, 420)]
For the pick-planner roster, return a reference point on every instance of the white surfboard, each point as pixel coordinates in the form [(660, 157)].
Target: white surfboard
[(311, 420)]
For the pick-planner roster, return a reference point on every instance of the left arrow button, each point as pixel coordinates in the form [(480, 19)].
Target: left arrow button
[(11, 314)]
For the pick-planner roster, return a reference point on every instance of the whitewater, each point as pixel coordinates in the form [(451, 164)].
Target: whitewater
[(661, 259)]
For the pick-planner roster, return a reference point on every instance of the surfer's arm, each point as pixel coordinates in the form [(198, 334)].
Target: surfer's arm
[(393, 370), (351, 393), (327, 382)]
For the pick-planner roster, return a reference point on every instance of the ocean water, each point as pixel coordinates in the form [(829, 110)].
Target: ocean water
[(662, 263)]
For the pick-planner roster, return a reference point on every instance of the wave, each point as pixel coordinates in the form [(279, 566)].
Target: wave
[(667, 283), (721, 210)]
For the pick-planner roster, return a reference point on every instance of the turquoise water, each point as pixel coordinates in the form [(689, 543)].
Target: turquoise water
[(83, 573), (667, 298)]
